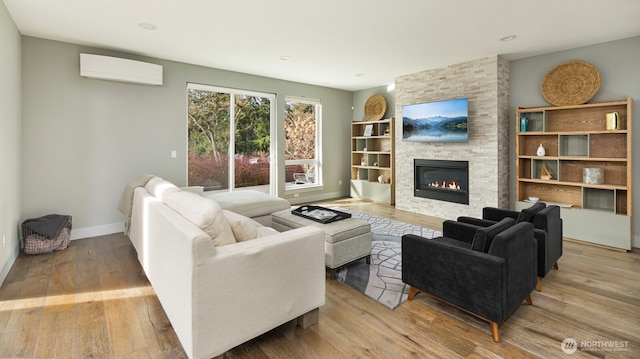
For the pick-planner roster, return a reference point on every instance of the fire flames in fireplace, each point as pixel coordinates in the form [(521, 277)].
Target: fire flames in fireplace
[(442, 180), (451, 185)]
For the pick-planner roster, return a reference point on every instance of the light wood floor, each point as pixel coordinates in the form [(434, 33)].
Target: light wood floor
[(92, 300)]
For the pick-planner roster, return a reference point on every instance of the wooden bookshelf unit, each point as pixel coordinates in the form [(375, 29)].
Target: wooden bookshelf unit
[(576, 138), (372, 168)]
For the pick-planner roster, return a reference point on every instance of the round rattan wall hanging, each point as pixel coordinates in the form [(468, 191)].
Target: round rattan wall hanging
[(571, 83), (375, 107)]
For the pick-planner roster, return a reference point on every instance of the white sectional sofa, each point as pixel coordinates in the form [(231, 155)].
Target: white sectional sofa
[(219, 288)]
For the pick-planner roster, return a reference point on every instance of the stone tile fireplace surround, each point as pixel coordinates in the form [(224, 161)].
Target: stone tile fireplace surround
[(485, 82)]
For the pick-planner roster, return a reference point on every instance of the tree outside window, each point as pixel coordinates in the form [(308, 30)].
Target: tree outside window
[(302, 123)]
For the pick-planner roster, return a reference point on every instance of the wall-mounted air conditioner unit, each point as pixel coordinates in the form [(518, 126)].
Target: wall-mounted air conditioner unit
[(118, 69)]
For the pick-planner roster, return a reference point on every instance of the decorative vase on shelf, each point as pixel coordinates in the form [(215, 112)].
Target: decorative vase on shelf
[(540, 151), (381, 179), (524, 122)]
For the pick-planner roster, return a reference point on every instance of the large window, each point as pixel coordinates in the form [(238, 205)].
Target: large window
[(302, 143), (229, 138)]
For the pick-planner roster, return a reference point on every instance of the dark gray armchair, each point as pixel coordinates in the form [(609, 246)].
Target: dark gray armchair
[(486, 271), (547, 231)]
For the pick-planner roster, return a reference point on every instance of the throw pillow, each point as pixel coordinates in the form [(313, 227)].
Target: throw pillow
[(243, 228), (484, 236), (204, 213), (527, 214)]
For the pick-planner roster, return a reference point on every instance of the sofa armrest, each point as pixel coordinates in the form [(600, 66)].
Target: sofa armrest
[(549, 222), (467, 278), (518, 245), (496, 214), (250, 287)]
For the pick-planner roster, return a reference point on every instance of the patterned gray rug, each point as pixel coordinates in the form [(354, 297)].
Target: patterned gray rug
[(382, 279)]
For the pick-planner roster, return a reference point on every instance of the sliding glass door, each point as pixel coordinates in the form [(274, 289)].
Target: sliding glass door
[(229, 138)]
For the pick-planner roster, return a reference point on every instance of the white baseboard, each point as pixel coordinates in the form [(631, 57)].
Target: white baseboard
[(86, 232), (4, 271), (315, 198)]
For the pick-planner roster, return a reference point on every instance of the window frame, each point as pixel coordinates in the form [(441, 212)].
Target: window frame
[(272, 130), (289, 185)]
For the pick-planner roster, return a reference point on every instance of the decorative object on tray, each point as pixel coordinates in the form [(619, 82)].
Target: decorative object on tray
[(593, 175), (571, 83), (320, 214), (612, 121), (375, 107), (534, 199), (540, 151)]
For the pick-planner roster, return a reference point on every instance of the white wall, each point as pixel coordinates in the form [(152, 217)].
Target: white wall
[(10, 113), (485, 83), (83, 139)]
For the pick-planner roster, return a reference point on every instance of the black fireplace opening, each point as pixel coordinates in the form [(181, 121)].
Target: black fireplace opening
[(442, 180)]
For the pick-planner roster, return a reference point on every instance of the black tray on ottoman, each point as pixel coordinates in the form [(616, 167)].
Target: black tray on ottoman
[(320, 214)]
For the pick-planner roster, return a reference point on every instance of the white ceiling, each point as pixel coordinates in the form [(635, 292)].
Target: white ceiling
[(345, 44)]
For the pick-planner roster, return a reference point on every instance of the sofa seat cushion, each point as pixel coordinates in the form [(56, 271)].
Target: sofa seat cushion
[(451, 242), (204, 213), (249, 203)]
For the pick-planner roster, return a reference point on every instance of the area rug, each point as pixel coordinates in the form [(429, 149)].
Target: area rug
[(382, 279)]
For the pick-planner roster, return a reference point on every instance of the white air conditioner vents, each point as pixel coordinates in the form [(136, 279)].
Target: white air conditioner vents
[(118, 69)]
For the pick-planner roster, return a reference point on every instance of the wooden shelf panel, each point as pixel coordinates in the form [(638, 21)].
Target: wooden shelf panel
[(571, 184), (538, 133), (548, 192), (577, 158)]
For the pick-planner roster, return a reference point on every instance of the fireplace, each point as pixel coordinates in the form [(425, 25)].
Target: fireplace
[(442, 180)]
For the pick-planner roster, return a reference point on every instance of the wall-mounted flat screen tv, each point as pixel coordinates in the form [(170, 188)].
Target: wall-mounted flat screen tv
[(442, 121)]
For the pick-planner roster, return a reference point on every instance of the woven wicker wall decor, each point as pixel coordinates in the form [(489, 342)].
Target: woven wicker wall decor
[(571, 83), (375, 107)]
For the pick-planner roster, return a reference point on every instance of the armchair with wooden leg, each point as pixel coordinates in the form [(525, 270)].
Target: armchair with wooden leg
[(487, 272)]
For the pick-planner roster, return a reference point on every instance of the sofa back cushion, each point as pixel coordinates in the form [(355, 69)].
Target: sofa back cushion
[(202, 212), (527, 214), (160, 188), (484, 236)]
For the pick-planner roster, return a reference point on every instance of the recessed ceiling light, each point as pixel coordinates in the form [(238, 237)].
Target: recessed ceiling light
[(285, 58), (147, 26), (359, 74), (508, 38)]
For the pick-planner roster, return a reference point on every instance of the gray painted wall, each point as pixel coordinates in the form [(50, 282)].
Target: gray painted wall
[(617, 62), (83, 139), (360, 98), (10, 99)]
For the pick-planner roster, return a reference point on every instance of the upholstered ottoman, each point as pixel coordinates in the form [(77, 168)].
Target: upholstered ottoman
[(250, 203), (344, 241)]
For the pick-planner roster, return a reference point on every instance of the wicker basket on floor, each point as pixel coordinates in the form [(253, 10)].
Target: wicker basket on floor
[(36, 243)]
